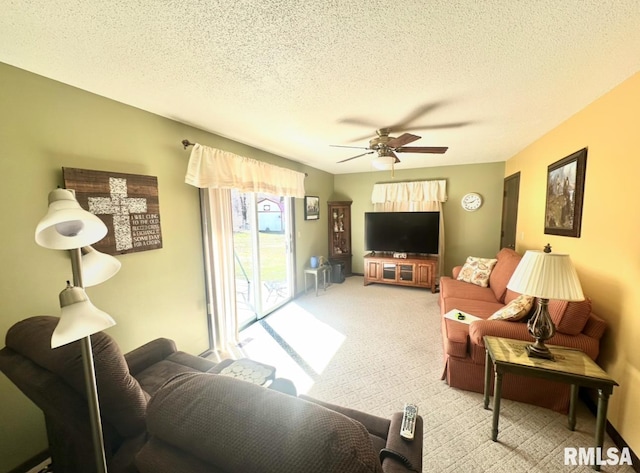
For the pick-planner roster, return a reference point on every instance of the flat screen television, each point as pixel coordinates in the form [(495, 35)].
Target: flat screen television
[(402, 232)]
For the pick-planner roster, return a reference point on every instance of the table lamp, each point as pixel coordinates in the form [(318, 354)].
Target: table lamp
[(545, 275), (67, 226)]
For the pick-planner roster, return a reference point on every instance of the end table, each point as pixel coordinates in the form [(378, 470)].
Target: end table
[(570, 366), (325, 270)]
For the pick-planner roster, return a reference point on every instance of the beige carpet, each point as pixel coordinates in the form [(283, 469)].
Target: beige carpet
[(374, 348)]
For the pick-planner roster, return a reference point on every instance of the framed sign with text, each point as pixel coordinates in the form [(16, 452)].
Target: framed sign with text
[(126, 203)]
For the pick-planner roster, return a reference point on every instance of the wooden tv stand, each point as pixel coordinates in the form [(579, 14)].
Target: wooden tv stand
[(415, 271)]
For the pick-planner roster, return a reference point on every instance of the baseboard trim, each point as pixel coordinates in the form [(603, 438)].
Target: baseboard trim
[(611, 431), (31, 462)]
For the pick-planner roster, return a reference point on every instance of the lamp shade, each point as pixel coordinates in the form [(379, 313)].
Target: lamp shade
[(67, 225), (547, 276), (383, 162), (97, 267), (79, 317)]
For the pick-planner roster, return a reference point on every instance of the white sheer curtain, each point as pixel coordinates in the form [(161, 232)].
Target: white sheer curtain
[(415, 196), (216, 172)]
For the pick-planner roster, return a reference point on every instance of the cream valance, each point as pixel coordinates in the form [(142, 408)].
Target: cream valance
[(218, 169), (417, 191), (416, 196)]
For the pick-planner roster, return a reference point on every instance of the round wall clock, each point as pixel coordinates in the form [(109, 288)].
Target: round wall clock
[(471, 201)]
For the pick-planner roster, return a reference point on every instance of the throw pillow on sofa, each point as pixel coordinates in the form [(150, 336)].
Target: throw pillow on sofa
[(515, 310), (570, 317), (477, 271)]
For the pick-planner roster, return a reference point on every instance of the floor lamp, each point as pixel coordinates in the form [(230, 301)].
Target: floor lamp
[(67, 226)]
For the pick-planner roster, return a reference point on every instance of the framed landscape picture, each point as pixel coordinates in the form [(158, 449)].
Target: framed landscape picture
[(565, 194), (311, 207)]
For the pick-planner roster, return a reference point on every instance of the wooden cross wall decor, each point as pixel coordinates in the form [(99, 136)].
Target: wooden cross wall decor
[(126, 203)]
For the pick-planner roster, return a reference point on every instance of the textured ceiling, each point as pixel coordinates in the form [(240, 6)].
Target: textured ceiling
[(293, 77)]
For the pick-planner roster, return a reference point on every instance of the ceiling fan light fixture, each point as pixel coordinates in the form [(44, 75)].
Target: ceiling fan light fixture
[(383, 163)]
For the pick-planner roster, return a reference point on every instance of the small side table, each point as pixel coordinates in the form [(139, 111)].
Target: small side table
[(325, 270), (251, 371), (570, 366)]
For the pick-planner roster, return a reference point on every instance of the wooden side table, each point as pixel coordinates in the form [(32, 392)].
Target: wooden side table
[(570, 366)]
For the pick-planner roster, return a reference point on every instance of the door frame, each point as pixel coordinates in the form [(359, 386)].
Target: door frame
[(510, 198)]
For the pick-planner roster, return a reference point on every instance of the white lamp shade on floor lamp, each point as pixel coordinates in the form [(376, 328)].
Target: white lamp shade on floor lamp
[(97, 267), (79, 317), (67, 225)]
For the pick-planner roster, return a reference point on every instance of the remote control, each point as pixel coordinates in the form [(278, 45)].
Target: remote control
[(409, 421)]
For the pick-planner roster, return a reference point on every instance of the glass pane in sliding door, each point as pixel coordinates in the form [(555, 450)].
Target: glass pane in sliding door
[(244, 257), (263, 254), (274, 251)]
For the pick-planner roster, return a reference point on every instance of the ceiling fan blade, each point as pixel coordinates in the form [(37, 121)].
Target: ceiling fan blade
[(402, 140), (360, 138), (355, 147), (391, 153), (442, 126), (358, 121), (402, 124), (354, 157), (437, 127), (423, 149), (414, 115)]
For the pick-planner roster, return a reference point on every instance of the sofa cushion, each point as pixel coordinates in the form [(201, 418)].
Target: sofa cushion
[(152, 378), (515, 310), (482, 309), (595, 327), (238, 426), (477, 271), (510, 295), (452, 288), (570, 317), (158, 456), (508, 260)]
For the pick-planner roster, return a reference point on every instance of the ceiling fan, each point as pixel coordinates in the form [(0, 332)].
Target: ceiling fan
[(387, 146)]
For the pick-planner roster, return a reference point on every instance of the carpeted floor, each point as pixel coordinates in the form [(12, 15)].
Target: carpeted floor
[(374, 348)]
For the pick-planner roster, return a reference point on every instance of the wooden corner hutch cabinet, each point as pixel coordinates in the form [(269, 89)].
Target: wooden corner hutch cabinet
[(340, 234)]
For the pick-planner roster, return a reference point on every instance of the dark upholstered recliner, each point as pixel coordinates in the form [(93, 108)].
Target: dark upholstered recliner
[(203, 423), (165, 411), (54, 380)]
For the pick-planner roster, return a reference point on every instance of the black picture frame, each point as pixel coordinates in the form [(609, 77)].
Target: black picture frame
[(565, 195), (311, 207)]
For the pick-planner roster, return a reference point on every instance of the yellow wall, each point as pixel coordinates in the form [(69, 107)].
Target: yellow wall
[(607, 255), (45, 125)]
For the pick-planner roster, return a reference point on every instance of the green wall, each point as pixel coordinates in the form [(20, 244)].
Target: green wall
[(466, 233), (45, 125)]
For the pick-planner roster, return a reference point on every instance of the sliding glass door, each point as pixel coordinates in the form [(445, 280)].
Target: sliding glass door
[(262, 240)]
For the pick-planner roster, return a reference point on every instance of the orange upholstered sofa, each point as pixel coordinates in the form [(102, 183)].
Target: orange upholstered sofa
[(464, 353)]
